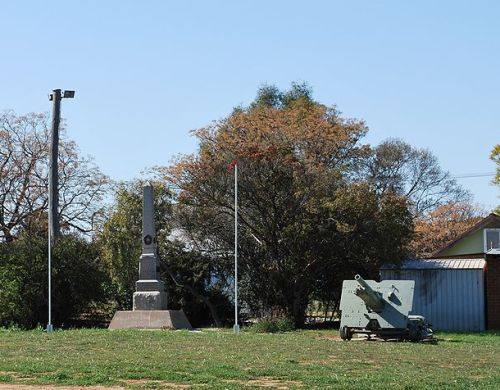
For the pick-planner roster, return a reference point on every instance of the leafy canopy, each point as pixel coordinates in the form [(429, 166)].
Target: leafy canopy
[(308, 213)]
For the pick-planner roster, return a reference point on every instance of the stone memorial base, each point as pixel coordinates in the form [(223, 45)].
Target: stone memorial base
[(150, 319), (150, 300)]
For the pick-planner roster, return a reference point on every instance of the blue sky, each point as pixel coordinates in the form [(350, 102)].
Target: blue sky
[(147, 72)]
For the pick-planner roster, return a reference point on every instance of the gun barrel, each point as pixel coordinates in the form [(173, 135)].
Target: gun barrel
[(372, 299), (362, 282)]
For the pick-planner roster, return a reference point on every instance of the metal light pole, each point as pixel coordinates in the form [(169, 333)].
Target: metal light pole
[(236, 326), (54, 228)]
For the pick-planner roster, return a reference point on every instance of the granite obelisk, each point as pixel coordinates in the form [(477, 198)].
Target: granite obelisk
[(150, 298), (150, 290)]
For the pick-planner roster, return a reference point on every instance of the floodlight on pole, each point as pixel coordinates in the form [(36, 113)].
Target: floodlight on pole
[(54, 229), (68, 94)]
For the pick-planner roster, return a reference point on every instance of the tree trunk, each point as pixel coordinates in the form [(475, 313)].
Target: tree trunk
[(204, 298), (7, 236), (299, 306)]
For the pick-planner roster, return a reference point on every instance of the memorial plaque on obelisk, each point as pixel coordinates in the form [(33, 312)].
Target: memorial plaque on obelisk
[(150, 298)]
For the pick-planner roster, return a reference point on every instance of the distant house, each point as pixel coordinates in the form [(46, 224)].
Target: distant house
[(476, 241), (459, 288)]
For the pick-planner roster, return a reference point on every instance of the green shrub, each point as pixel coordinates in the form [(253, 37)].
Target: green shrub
[(275, 325), (77, 280)]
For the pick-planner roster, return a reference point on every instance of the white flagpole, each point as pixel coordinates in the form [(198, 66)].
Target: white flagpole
[(236, 326), (50, 328)]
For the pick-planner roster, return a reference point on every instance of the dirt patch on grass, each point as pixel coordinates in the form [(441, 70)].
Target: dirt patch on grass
[(329, 337), (17, 375), (268, 382), (5, 386), (160, 384), (336, 337), (157, 385)]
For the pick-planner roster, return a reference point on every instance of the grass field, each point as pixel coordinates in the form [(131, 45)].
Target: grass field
[(222, 360)]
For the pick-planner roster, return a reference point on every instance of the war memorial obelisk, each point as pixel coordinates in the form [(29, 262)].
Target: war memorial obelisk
[(150, 298)]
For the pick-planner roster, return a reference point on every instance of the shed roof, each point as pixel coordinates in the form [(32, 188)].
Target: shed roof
[(438, 264)]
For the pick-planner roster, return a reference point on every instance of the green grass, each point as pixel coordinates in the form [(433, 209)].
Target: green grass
[(222, 360)]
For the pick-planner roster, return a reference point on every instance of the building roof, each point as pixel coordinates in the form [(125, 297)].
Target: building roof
[(492, 218), (493, 251), (438, 264)]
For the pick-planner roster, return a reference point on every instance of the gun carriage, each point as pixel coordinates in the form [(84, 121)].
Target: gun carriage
[(382, 310)]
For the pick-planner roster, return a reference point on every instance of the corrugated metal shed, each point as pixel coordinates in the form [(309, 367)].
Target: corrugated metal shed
[(439, 264), (448, 292)]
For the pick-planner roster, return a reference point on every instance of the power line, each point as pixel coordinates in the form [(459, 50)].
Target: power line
[(468, 175)]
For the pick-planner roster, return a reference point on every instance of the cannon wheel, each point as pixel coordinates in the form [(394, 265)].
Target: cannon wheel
[(345, 333)]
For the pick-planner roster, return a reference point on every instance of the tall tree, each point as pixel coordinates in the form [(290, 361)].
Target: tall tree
[(304, 211), (24, 144), (414, 173)]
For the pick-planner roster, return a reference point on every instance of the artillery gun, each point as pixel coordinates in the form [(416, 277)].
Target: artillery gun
[(381, 309)]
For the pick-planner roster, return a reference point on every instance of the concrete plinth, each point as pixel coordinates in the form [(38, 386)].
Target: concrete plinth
[(150, 319), (149, 299)]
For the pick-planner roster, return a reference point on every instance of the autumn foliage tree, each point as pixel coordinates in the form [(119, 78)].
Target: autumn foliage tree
[(446, 221), (442, 225), (495, 157), (308, 214)]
